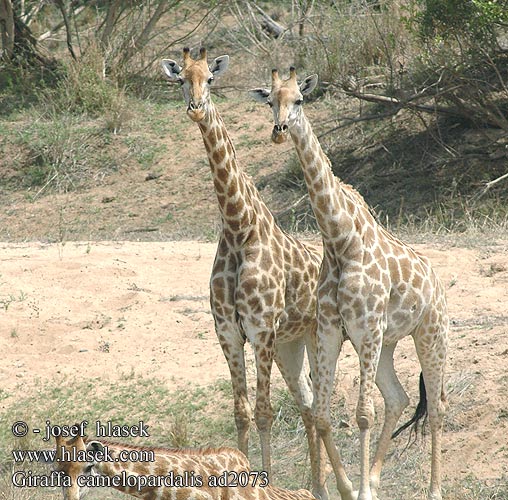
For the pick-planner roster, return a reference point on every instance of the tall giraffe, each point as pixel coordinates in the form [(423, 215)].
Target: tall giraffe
[(182, 474), (378, 287), (263, 282)]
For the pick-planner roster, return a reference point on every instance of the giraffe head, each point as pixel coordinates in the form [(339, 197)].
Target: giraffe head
[(285, 99), (76, 447), (196, 78)]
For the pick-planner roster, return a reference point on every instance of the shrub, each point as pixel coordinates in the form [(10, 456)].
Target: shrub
[(85, 88)]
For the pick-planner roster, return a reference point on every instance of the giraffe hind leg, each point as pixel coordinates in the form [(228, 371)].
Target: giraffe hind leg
[(431, 347), (290, 360), (395, 401)]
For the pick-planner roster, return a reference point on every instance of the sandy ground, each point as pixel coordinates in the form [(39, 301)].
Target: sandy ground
[(108, 309)]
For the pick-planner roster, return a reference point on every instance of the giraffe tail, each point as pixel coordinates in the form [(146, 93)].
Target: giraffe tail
[(420, 412)]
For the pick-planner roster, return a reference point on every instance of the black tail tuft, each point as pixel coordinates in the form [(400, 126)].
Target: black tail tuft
[(420, 412)]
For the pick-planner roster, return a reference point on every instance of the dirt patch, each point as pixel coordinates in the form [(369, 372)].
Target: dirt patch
[(109, 309)]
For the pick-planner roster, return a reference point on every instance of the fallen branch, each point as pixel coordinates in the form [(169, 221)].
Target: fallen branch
[(366, 118), (489, 184), (406, 103), (57, 27), (269, 24), (291, 208)]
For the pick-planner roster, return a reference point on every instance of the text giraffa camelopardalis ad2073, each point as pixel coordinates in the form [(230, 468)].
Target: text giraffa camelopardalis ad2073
[(181, 474), (379, 288), (263, 282)]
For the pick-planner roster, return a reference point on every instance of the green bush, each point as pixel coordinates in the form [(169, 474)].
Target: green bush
[(469, 20), (85, 88)]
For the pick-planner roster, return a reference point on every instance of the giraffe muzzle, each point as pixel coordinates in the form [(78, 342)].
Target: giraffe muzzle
[(196, 111), (280, 133)]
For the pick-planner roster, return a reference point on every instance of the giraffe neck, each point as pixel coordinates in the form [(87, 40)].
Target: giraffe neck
[(235, 190), (178, 468), (129, 471), (337, 206)]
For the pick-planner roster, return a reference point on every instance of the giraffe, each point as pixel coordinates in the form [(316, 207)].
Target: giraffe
[(263, 282), (374, 285), (163, 473)]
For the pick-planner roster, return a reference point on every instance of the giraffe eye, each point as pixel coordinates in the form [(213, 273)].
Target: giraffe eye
[(299, 102), (210, 80)]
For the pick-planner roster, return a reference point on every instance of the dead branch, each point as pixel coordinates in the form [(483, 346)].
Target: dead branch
[(68, 36), (269, 24), (57, 27), (489, 184), (292, 207), (109, 23), (185, 36), (406, 103), (30, 14), (139, 43), (351, 120), (250, 30)]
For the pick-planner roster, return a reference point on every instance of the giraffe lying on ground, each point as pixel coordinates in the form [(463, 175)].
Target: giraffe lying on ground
[(176, 474), (263, 282), (379, 288)]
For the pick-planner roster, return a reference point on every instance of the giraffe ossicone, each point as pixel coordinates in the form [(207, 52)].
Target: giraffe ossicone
[(263, 281), (373, 284)]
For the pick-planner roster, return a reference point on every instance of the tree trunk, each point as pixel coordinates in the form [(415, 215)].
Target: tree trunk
[(109, 23), (7, 27)]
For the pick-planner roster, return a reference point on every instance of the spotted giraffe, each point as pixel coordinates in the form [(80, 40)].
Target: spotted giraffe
[(164, 473), (376, 286), (263, 282)]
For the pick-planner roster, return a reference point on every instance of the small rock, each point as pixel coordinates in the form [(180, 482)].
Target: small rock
[(151, 176)]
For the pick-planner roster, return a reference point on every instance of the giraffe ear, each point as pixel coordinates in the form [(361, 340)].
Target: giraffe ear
[(171, 69), (309, 84), (94, 446), (259, 95), (95, 450), (219, 65)]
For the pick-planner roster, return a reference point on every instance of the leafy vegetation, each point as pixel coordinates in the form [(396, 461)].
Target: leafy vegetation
[(425, 84)]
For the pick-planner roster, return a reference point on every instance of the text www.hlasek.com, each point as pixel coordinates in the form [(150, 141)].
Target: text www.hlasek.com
[(74, 455)]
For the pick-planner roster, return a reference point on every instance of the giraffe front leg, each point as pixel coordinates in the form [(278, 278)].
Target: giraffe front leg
[(232, 344), (262, 341), (368, 343), (329, 340)]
